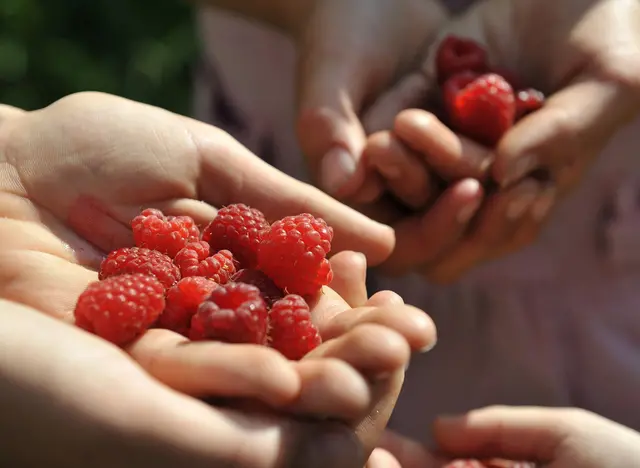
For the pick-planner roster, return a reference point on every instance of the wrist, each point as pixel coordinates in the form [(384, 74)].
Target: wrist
[(289, 16)]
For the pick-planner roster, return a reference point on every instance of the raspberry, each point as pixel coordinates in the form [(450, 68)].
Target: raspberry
[(496, 463), (234, 313), (183, 299), (194, 260), (167, 234), (456, 55), (528, 101), (237, 228), (480, 107), (293, 254), (120, 308), (130, 260), (292, 332), (269, 291)]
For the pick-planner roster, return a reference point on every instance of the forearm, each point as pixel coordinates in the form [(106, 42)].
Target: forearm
[(286, 15)]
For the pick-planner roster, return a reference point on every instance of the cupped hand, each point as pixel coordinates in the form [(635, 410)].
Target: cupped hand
[(554, 437), (69, 397), (91, 161), (51, 255), (351, 50), (587, 61)]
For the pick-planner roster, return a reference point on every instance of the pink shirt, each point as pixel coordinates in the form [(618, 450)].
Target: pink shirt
[(556, 324)]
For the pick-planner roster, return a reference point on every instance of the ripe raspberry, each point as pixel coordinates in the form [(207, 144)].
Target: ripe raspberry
[(269, 291), (482, 108), (234, 313), (120, 308), (456, 55), (183, 300), (465, 464), (167, 234), (528, 101), (292, 332), (237, 228), (496, 463), (293, 254), (194, 260), (130, 260)]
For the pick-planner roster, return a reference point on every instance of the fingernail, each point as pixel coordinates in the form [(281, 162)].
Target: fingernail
[(543, 205), (467, 212), (390, 172), (336, 168), (522, 202), (429, 347), (520, 168)]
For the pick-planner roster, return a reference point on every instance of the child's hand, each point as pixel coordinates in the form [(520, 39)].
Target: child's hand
[(462, 226), (557, 438), (589, 54)]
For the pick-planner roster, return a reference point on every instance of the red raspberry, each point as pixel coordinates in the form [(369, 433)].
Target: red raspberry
[(121, 308), (465, 464), (130, 260), (528, 101), (293, 254), (234, 313), (194, 260), (487, 464), (292, 332), (269, 291), (183, 299), (480, 107), (237, 228), (167, 234), (456, 55)]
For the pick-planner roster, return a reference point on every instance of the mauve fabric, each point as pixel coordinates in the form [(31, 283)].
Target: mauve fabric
[(556, 324)]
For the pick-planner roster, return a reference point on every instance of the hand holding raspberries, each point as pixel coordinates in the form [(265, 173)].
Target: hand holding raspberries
[(204, 300), (427, 166), (200, 295)]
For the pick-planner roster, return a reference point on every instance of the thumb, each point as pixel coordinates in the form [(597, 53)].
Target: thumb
[(332, 85), (567, 133), (523, 433)]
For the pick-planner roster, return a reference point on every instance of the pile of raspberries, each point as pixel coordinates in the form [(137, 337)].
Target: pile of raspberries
[(480, 102), (242, 280)]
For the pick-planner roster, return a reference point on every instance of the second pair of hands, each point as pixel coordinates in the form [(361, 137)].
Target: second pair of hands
[(72, 176), (587, 61)]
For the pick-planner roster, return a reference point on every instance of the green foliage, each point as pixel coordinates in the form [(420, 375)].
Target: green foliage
[(142, 50)]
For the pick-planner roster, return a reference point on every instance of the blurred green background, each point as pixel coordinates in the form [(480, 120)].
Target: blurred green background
[(141, 50)]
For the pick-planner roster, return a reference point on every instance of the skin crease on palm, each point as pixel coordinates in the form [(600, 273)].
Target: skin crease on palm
[(76, 172), (589, 53)]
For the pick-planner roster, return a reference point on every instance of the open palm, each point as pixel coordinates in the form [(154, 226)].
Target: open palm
[(76, 172)]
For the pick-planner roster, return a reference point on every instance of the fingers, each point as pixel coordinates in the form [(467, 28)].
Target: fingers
[(451, 156), (515, 433), (413, 324), (331, 388), (231, 174), (565, 135), (385, 298), (423, 239), (216, 369), (510, 220), (408, 453), (403, 170), (201, 212), (380, 458), (331, 89), (373, 350), (349, 277)]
